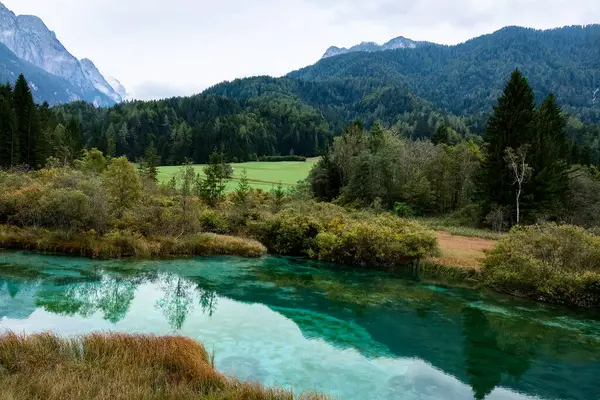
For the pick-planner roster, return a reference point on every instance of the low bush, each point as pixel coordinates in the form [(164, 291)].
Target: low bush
[(118, 366), (327, 234), (288, 232), (212, 221), (403, 210), (380, 242), (553, 263), (282, 158)]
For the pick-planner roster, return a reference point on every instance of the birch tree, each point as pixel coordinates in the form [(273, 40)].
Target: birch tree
[(520, 170)]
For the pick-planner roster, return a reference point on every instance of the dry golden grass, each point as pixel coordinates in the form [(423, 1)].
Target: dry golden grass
[(461, 252), (118, 366), (117, 244)]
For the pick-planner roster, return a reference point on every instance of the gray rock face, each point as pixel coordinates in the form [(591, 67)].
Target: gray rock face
[(96, 78), (30, 39), (119, 88), (394, 44)]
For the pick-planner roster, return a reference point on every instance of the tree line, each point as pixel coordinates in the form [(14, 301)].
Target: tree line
[(247, 120), (32, 134), (522, 171)]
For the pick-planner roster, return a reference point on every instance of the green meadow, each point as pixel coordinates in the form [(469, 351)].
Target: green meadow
[(262, 175)]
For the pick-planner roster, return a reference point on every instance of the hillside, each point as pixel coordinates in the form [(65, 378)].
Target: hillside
[(413, 91), (467, 78), (341, 100)]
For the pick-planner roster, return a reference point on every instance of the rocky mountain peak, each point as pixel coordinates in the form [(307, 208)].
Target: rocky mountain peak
[(99, 82), (34, 24), (119, 88), (400, 43), (28, 37), (397, 43)]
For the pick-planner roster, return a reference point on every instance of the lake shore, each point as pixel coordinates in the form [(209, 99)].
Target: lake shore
[(125, 244), (458, 263)]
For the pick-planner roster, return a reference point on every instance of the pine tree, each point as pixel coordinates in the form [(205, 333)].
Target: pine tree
[(123, 184), (242, 191), (376, 139), (212, 188), (26, 124), (122, 143), (441, 135), (549, 159), (74, 139), (110, 137), (9, 141), (511, 125), (278, 195), (150, 163), (47, 120)]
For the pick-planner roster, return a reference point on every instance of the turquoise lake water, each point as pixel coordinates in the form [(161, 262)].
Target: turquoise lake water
[(294, 323)]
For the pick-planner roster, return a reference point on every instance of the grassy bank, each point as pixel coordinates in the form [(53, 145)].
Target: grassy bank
[(118, 366), (118, 243)]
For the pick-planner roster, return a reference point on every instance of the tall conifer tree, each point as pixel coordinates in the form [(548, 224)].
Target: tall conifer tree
[(511, 125), (9, 144), (549, 159), (74, 139), (26, 124)]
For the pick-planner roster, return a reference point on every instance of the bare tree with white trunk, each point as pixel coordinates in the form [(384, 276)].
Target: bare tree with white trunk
[(521, 171)]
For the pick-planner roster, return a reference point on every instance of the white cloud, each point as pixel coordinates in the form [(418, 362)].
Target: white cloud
[(160, 48)]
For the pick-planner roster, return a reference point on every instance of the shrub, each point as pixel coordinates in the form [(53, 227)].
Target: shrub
[(468, 216), (64, 209), (381, 242), (553, 263), (403, 210), (282, 158), (325, 232), (212, 221), (287, 233)]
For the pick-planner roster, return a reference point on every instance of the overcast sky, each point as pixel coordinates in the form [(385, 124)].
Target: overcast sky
[(160, 48)]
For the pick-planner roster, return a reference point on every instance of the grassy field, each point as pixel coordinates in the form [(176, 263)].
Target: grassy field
[(262, 175)]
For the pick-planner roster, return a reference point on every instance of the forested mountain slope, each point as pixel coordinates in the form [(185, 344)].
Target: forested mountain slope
[(466, 79), (342, 100), (419, 93)]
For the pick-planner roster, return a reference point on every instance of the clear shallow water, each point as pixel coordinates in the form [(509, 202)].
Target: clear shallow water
[(349, 334)]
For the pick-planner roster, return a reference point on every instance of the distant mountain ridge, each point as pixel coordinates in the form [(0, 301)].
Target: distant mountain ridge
[(466, 79), (397, 43), (30, 40)]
